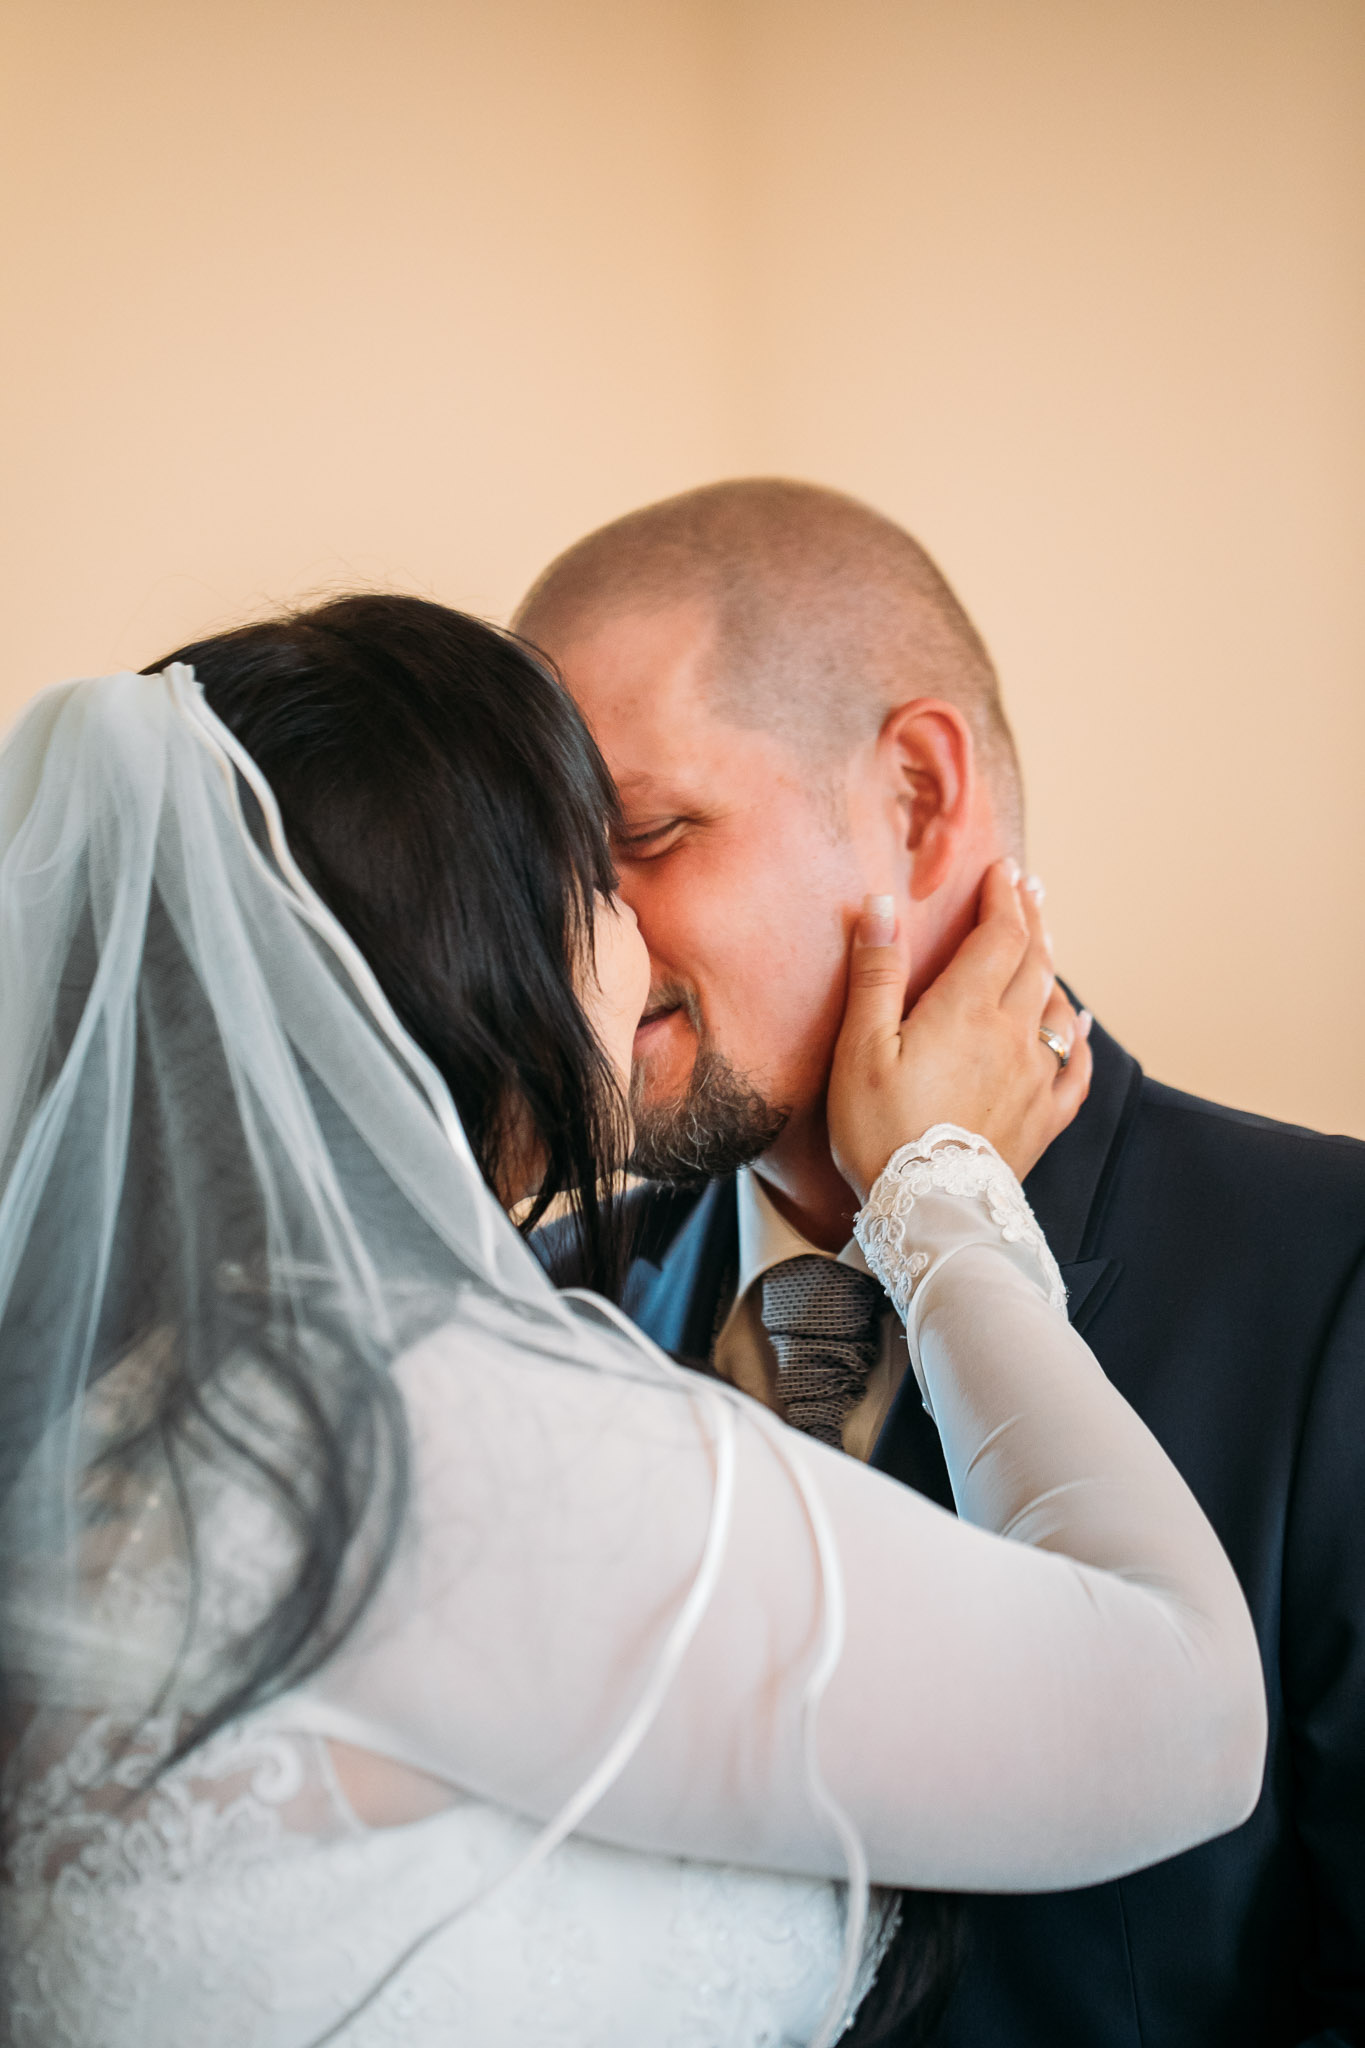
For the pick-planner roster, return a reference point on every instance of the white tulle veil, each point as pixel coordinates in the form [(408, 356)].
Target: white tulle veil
[(227, 1170)]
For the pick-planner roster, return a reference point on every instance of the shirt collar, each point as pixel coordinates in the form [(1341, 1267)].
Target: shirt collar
[(766, 1237)]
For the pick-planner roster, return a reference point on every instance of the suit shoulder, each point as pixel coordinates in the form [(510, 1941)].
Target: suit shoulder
[(1248, 1157), (1245, 1133)]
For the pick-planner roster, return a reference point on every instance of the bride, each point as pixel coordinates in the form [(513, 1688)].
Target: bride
[(395, 1649)]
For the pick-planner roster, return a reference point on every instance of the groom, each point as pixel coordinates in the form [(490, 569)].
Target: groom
[(797, 709)]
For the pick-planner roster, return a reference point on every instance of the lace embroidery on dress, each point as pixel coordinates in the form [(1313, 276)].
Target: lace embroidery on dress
[(945, 1161), (106, 1854), (97, 1810), (883, 1925), (236, 1900)]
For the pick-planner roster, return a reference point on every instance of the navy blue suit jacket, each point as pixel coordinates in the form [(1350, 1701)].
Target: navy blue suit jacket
[(1216, 1264)]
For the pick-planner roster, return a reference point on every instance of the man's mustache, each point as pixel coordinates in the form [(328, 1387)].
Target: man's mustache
[(675, 995)]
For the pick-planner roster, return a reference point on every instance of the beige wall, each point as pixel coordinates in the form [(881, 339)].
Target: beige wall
[(1076, 288), (305, 294), (317, 291)]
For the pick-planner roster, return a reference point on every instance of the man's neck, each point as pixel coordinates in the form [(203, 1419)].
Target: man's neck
[(805, 1185), (807, 1188)]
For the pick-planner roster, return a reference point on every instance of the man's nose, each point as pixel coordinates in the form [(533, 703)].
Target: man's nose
[(633, 893)]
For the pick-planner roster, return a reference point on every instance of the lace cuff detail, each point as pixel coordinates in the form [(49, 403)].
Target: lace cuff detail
[(954, 1162)]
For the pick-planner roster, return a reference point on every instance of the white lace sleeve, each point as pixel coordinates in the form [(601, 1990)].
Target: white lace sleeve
[(1029, 1714), (935, 1197)]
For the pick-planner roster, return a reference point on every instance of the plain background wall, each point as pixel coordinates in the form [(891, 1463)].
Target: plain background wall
[(310, 292), (322, 292)]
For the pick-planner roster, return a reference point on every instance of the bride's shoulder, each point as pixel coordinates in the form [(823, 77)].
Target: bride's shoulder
[(496, 1373)]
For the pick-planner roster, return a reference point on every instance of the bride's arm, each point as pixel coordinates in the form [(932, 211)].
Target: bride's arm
[(1037, 1712), (1033, 1713)]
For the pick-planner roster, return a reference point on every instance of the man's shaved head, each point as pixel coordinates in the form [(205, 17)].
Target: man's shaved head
[(797, 712), (825, 615)]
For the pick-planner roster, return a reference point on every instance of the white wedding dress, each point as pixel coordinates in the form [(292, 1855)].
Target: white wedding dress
[(1005, 1726), (651, 1686)]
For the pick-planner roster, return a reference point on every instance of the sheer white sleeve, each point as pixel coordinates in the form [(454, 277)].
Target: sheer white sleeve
[(237, 1197), (1032, 1713), (946, 1191)]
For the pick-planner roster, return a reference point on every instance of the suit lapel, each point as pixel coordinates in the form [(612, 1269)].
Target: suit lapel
[(1088, 1282), (1068, 1190), (1069, 1187), (673, 1294)]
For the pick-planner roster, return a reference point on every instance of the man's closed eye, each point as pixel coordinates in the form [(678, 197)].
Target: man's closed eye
[(647, 842)]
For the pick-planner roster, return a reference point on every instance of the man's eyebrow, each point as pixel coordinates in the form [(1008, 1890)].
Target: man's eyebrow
[(646, 798), (639, 785)]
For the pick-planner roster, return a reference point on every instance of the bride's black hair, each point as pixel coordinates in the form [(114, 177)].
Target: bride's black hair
[(443, 795)]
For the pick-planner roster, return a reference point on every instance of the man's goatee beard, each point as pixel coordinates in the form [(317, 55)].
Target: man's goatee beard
[(722, 1122)]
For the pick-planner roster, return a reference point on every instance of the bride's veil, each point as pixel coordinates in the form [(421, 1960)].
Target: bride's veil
[(232, 1192)]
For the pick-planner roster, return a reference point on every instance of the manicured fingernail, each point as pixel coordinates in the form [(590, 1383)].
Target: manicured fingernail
[(1012, 870), (877, 926), (1035, 888), (1084, 1022)]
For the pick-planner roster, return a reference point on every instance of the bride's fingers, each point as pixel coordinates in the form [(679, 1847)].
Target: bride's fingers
[(1073, 1082), (1031, 986), (988, 959), (1059, 1017), (876, 978)]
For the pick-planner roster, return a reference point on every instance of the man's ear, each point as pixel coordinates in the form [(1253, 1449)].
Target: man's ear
[(929, 760)]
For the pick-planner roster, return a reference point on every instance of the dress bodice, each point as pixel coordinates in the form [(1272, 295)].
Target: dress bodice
[(244, 1903), (563, 1511)]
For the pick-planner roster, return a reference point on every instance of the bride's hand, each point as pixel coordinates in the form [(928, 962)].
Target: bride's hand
[(969, 1051)]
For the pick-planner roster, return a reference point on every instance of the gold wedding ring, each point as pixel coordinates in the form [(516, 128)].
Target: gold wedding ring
[(1055, 1043)]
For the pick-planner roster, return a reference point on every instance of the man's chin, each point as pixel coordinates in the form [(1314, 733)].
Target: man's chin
[(719, 1122)]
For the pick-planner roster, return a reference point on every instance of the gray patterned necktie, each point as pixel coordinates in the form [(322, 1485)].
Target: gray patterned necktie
[(824, 1320)]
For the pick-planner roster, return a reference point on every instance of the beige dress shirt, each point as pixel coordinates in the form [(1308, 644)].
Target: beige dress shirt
[(744, 1354)]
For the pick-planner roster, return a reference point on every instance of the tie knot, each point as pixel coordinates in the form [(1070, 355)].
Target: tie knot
[(824, 1321), (819, 1298)]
